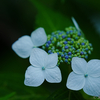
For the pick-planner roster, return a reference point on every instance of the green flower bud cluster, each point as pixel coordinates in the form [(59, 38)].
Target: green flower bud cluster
[(67, 44)]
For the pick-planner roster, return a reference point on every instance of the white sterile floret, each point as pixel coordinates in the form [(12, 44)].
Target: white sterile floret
[(43, 66), (24, 45), (85, 75)]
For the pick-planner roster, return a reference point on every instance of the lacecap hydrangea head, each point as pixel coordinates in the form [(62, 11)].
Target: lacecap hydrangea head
[(67, 44)]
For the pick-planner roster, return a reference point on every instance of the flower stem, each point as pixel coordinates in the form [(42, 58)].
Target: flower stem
[(69, 69), (69, 94)]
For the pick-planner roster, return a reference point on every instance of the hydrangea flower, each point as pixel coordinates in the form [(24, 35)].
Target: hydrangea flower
[(24, 45), (43, 66), (68, 44), (85, 75)]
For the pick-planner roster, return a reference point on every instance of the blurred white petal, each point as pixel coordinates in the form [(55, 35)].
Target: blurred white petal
[(93, 68), (33, 76), (53, 75), (37, 57), (39, 37), (95, 20), (78, 65), (23, 46), (75, 81), (51, 60), (76, 24), (92, 86)]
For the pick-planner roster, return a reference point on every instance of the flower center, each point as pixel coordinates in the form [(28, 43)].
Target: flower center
[(43, 68), (86, 75), (67, 44)]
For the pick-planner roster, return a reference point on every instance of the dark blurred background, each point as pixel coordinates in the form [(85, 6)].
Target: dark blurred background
[(21, 17)]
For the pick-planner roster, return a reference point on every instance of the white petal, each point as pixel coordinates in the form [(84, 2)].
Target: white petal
[(53, 75), (23, 46), (37, 57), (33, 76), (51, 60), (78, 65), (75, 81), (92, 86), (39, 37), (93, 68), (76, 24)]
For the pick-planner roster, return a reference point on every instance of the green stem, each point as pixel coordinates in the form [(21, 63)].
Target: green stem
[(69, 70), (69, 94)]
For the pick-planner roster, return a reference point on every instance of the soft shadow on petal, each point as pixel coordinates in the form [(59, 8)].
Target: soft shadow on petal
[(39, 37), (23, 46), (33, 76), (93, 68), (92, 86), (75, 81), (78, 65), (51, 60), (37, 57), (53, 75)]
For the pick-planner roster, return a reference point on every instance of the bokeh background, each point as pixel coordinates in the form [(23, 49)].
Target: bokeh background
[(21, 17)]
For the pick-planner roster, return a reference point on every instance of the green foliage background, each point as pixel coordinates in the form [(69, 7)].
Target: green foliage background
[(21, 17)]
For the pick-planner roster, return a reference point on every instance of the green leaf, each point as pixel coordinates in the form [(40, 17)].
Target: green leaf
[(13, 84), (65, 94), (91, 4), (7, 96), (50, 19)]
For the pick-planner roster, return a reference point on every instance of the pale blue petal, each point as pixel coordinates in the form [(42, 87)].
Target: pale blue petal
[(39, 37), (75, 81), (76, 24), (33, 76), (51, 60), (37, 57), (23, 46), (92, 86), (93, 68), (78, 65), (53, 75)]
